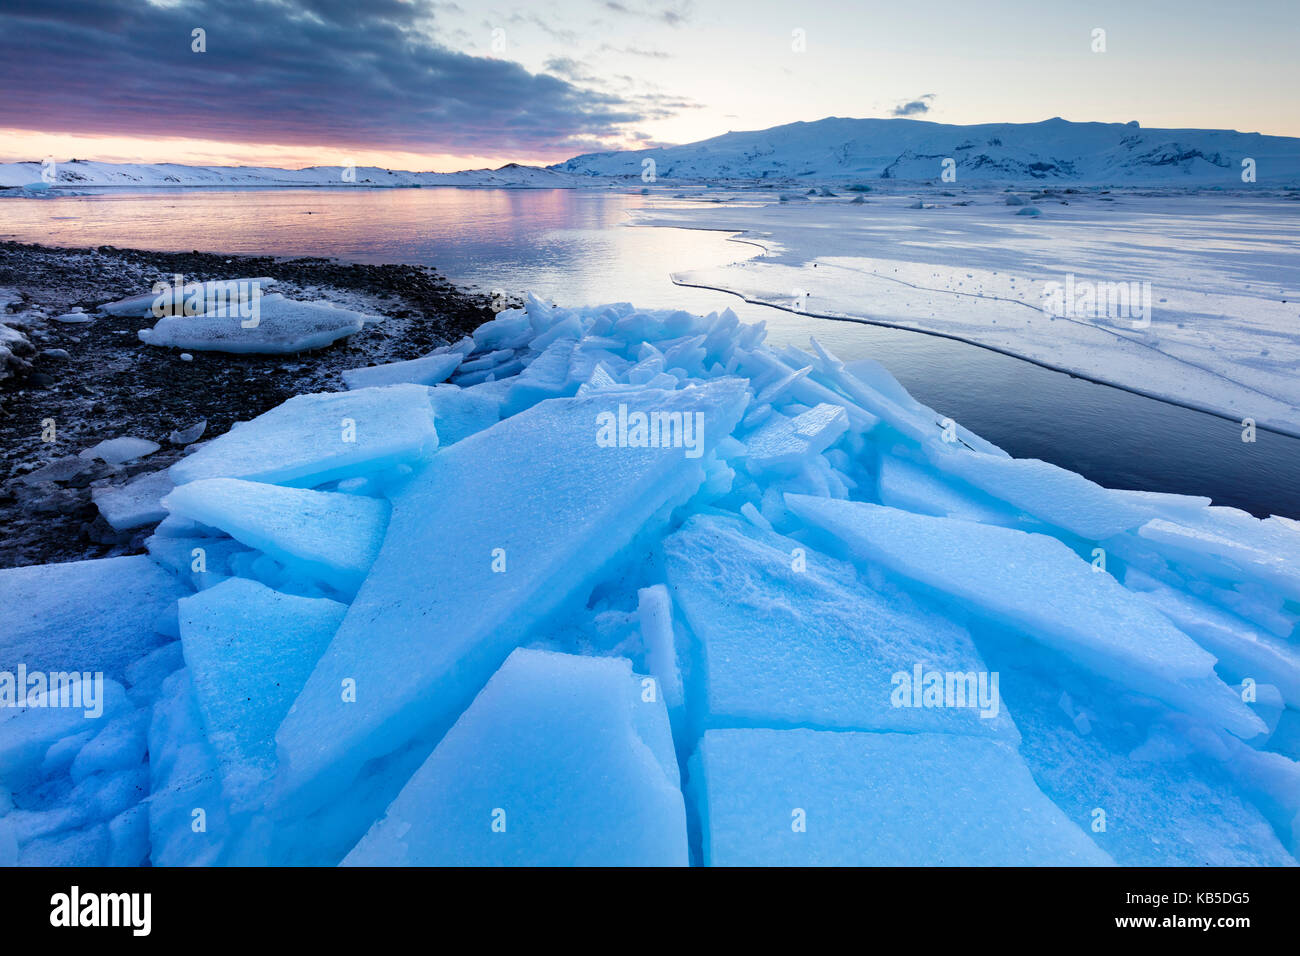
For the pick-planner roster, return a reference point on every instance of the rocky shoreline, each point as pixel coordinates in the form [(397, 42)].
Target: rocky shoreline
[(96, 380)]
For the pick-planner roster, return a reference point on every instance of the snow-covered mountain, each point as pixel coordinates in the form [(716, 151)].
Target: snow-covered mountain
[(77, 172), (1055, 149), (831, 148)]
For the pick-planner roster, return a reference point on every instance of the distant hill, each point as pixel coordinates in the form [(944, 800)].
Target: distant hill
[(828, 149), (1055, 149), (76, 173)]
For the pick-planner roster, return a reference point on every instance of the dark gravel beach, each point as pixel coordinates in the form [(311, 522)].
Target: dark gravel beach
[(97, 380)]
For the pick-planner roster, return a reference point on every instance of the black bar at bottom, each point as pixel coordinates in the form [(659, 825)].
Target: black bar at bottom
[(944, 905)]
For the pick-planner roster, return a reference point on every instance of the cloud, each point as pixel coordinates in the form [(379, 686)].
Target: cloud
[(917, 107), (330, 73), (673, 14)]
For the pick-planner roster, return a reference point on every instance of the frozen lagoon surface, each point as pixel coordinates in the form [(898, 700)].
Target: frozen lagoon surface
[(1219, 332), (575, 246), (661, 594)]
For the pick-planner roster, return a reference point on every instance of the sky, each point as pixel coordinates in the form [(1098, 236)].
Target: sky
[(410, 84)]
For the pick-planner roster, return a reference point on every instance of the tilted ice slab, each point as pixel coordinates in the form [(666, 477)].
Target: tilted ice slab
[(96, 615), (1231, 544), (193, 296), (495, 534), (1044, 490), (815, 798), (1242, 650), (278, 326), (429, 370), (790, 637), (326, 536), (560, 761), (1037, 585), (312, 439), (249, 650), (784, 445), (909, 486)]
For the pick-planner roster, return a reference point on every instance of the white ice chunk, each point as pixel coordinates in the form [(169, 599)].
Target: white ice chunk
[(192, 295), (279, 326), (312, 439), (813, 798), (558, 762), (115, 451)]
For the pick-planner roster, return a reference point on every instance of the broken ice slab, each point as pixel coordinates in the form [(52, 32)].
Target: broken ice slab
[(912, 487), (50, 714), (785, 446), (1243, 651), (134, 504), (475, 559), (1049, 493), (322, 536), (655, 617), (194, 295), (559, 761), (249, 650), (96, 615), (312, 439), (275, 326), (1232, 545), (790, 637), (1036, 585), (547, 376), (818, 798), (429, 370)]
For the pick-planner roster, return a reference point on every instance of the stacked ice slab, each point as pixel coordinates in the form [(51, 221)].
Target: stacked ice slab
[(605, 586)]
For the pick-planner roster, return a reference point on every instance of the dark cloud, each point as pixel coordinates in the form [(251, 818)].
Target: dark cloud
[(916, 107), (337, 73)]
